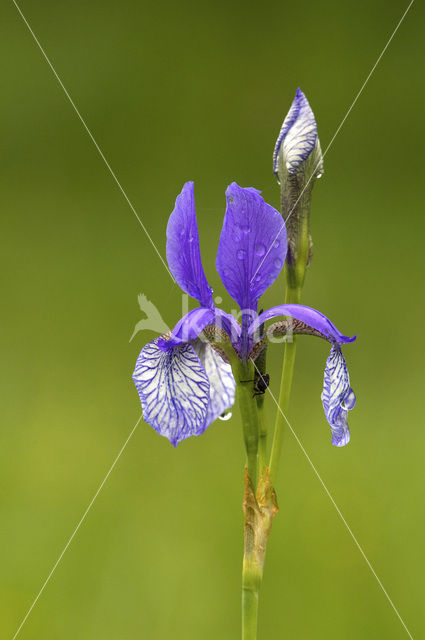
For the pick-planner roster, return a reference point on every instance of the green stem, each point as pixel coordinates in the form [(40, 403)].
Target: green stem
[(251, 581), (262, 435), (251, 572), (249, 413), (292, 296)]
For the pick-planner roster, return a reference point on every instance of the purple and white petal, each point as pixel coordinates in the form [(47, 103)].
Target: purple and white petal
[(297, 137), (188, 328), (220, 376), (252, 246), (337, 396), (174, 390), (308, 315), (183, 252)]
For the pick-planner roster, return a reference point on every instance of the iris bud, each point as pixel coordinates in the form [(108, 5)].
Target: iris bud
[(297, 163)]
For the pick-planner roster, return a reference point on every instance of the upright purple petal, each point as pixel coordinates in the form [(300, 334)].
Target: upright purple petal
[(183, 253), (297, 137), (188, 328), (337, 397), (174, 391), (308, 315), (252, 246), (220, 377)]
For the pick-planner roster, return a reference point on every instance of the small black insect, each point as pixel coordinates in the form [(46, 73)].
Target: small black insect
[(261, 382)]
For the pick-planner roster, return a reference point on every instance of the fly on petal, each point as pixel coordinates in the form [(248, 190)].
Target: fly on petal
[(174, 391), (337, 397)]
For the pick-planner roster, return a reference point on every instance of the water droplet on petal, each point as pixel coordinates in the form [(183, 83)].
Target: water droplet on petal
[(241, 254), (277, 263), (276, 244), (245, 228), (260, 250), (225, 416)]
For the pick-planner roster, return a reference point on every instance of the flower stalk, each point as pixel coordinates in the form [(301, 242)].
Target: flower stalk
[(292, 296), (259, 511), (249, 414)]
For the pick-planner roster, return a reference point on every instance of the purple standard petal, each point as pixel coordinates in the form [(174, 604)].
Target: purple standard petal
[(188, 328), (183, 253), (220, 377), (252, 246), (337, 397), (174, 391), (309, 316), (297, 137)]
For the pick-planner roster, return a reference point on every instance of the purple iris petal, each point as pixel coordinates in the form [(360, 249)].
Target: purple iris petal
[(252, 246), (174, 390), (229, 324), (337, 397), (188, 328), (183, 253), (297, 136), (308, 315), (220, 377)]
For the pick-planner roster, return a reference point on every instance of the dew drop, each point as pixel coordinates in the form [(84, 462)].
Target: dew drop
[(276, 244), (277, 263), (319, 175), (225, 416), (245, 228), (241, 254), (260, 250)]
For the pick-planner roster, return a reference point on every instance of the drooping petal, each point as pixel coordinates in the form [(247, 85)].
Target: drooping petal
[(297, 138), (252, 246), (220, 377), (308, 315), (174, 390), (183, 252), (337, 397), (188, 328)]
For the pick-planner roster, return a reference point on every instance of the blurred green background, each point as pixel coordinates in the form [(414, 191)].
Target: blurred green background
[(196, 90)]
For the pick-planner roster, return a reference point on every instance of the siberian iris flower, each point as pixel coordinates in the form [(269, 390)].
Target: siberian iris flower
[(185, 379)]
